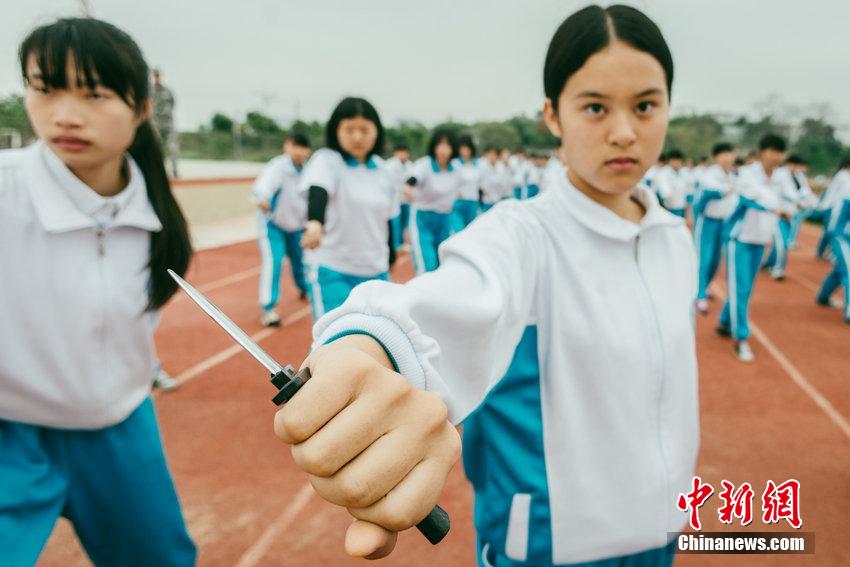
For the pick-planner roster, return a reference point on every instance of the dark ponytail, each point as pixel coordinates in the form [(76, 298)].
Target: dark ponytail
[(103, 54), (170, 247)]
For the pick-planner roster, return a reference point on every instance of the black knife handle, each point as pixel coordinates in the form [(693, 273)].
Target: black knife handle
[(436, 524)]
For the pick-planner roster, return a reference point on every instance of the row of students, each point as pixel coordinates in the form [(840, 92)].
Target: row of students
[(561, 440), (440, 194)]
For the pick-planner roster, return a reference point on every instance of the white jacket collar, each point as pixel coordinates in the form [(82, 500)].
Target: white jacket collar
[(64, 203), (604, 221)]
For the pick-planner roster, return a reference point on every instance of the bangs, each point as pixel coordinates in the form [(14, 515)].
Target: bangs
[(99, 54)]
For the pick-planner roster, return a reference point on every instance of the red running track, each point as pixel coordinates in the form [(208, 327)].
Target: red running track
[(247, 504)]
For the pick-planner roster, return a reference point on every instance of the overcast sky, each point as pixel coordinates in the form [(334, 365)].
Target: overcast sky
[(465, 59)]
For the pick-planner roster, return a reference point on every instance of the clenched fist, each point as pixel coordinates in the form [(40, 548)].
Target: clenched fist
[(369, 441)]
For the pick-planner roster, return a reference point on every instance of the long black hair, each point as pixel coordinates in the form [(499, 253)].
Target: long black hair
[(353, 107), (591, 30), (105, 55)]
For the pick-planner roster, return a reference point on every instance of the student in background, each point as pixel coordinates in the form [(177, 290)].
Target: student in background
[(827, 202), (433, 188), (399, 166), (839, 231), (89, 212), (674, 184), (765, 196), (492, 180), (281, 217), (351, 200), (466, 206), (808, 200), (536, 173), (777, 259), (650, 178), (717, 199)]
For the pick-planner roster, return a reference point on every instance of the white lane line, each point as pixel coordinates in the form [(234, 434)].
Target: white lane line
[(230, 352), (218, 358), (812, 286), (219, 283), (796, 376), (254, 554), (801, 381)]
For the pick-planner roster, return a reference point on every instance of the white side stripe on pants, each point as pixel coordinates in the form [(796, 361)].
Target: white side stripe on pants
[(415, 243)]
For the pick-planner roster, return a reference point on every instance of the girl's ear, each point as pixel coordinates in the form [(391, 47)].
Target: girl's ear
[(144, 112), (550, 117)]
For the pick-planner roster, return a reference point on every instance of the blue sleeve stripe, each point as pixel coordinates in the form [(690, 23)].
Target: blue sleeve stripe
[(359, 332)]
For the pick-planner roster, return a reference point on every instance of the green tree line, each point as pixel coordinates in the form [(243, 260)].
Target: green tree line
[(258, 137)]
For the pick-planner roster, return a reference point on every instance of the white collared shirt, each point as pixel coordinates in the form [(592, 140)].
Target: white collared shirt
[(77, 344), (758, 224), (613, 305), (673, 186), (279, 184), (714, 178), (470, 178), (361, 201), (436, 189), (399, 172)]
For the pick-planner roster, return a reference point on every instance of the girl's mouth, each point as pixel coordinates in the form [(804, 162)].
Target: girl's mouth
[(71, 143), (621, 164)]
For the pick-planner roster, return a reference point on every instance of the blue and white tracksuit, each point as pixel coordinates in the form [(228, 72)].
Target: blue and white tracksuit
[(839, 230), (281, 228), (435, 193), (362, 198), (777, 260), (716, 200), (78, 433), (494, 186), (400, 172), (674, 186), (826, 206), (808, 201), (466, 207), (575, 454), (750, 228)]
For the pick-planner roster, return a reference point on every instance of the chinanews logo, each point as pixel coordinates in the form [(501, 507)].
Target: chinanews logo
[(779, 503)]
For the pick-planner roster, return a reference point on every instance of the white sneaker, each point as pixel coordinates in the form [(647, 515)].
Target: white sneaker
[(831, 302), (702, 307), (270, 319), (777, 275), (744, 352), (163, 381)]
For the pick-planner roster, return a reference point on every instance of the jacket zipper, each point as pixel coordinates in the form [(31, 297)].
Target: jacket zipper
[(659, 360)]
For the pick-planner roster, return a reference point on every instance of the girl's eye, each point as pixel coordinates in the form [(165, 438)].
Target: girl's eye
[(645, 107), (94, 95), (40, 89), (595, 109)]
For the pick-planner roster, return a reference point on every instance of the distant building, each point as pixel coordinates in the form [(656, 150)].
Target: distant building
[(10, 138)]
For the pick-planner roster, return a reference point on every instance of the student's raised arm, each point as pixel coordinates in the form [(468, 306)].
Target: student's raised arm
[(397, 365)]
